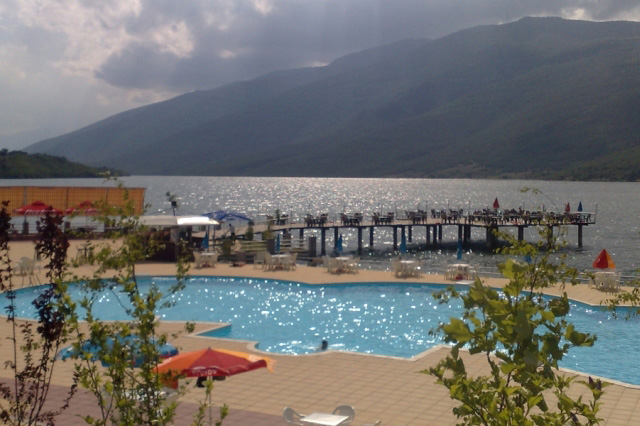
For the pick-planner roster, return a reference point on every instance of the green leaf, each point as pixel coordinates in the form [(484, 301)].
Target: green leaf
[(457, 330)]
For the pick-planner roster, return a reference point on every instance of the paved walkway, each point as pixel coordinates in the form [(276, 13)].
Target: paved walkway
[(378, 387)]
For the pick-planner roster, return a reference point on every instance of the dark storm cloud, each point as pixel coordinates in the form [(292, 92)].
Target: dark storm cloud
[(233, 40)]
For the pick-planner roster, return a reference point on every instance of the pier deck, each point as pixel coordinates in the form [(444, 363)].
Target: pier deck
[(432, 226)]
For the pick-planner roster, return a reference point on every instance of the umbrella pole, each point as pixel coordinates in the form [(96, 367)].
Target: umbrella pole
[(210, 416)]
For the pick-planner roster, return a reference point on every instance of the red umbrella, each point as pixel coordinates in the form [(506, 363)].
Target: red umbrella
[(85, 208), (567, 207), (213, 363), (604, 261), (37, 208), (496, 204)]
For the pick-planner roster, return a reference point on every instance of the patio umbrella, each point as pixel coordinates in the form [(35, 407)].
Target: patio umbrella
[(567, 208), (37, 208), (205, 241), (339, 244), (580, 206), (209, 362), (604, 261), (403, 244), (226, 216), (212, 363), (496, 204), (278, 243), (85, 208), (132, 341)]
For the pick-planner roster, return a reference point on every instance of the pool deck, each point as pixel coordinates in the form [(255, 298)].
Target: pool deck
[(377, 387)]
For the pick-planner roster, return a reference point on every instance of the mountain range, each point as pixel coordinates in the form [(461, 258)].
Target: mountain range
[(542, 98)]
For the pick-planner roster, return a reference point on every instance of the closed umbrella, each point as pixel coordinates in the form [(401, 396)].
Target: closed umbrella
[(205, 241), (339, 244), (580, 206), (496, 204), (403, 244), (278, 243), (567, 208)]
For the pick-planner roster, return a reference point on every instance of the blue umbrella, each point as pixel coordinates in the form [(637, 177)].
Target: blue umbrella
[(339, 244), (164, 351), (225, 215), (403, 244), (580, 206), (278, 244), (459, 254), (205, 241)]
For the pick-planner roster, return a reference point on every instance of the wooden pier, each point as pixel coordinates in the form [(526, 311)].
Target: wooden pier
[(431, 225)]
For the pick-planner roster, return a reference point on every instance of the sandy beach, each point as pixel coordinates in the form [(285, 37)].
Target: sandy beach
[(378, 387)]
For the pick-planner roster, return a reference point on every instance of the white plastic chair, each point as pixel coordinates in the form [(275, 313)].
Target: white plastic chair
[(268, 262), (612, 282), (289, 263), (214, 258), (352, 265), (292, 417), (345, 410), (397, 267), (198, 259), (414, 270), (450, 273), (26, 268), (259, 260), (327, 262)]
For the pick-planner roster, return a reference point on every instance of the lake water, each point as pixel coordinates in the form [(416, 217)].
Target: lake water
[(617, 206)]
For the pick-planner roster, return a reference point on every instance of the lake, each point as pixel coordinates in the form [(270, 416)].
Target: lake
[(616, 204)]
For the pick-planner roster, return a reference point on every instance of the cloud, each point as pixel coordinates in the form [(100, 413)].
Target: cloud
[(67, 64), (214, 42)]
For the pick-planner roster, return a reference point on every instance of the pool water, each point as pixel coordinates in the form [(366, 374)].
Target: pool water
[(377, 318)]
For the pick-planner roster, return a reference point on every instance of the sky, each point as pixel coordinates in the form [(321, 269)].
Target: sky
[(65, 64)]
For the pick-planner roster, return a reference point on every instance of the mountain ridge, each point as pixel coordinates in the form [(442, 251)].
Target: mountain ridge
[(535, 98)]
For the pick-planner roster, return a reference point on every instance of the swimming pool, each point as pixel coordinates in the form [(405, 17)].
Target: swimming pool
[(377, 318)]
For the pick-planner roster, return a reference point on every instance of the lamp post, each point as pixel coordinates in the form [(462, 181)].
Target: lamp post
[(173, 200)]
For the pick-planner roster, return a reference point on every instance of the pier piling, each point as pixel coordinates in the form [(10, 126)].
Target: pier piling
[(434, 227)]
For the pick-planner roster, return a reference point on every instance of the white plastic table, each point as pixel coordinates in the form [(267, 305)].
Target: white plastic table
[(279, 260), (460, 269), (409, 268), (343, 262), (324, 419), (208, 256)]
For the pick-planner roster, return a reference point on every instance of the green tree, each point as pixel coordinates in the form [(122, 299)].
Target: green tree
[(248, 235), (127, 392), (522, 335), (34, 351)]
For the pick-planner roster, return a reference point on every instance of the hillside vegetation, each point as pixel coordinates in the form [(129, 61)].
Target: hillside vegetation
[(20, 165), (537, 98)]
